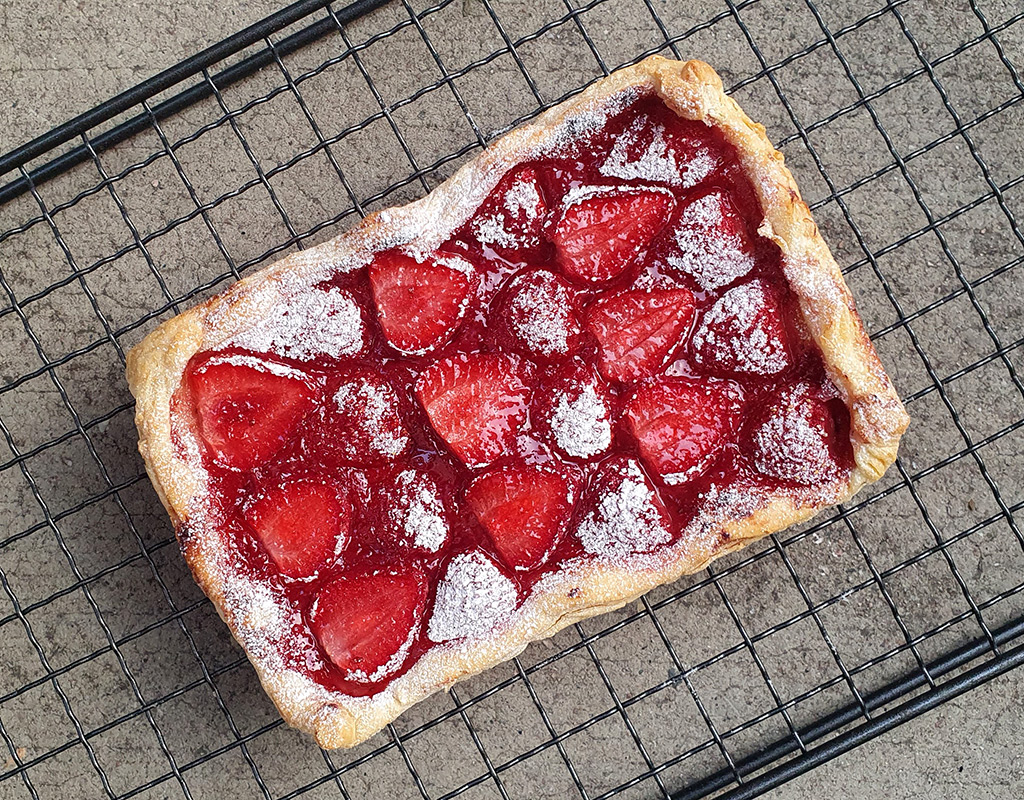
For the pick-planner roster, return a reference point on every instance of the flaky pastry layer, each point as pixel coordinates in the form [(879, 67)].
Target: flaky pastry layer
[(580, 589)]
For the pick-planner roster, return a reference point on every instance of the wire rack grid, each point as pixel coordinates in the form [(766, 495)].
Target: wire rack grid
[(901, 121)]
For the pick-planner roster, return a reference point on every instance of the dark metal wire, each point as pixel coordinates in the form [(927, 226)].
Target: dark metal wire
[(864, 714)]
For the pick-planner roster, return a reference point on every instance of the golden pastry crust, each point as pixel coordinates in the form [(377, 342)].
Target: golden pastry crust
[(582, 589)]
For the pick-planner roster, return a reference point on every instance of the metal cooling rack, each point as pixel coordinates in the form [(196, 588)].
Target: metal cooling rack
[(899, 121)]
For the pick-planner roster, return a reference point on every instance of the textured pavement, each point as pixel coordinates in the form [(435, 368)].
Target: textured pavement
[(97, 567)]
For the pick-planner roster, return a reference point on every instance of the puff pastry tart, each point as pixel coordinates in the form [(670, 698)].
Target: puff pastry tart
[(610, 349)]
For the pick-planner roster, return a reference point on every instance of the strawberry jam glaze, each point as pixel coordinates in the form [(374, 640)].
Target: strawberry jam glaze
[(605, 346)]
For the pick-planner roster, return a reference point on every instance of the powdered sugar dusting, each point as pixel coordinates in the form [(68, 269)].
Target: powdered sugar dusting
[(643, 152), (523, 198), (735, 330), (626, 518), (579, 194), (238, 360), (790, 445), (312, 323), (491, 230), (656, 163), (419, 512), (718, 504), (712, 254), (454, 263), (581, 423), (539, 315), (473, 599), (264, 616), (507, 227), (374, 408), (698, 167)]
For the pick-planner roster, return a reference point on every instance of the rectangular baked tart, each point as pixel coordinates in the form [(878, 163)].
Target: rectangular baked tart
[(610, 349)]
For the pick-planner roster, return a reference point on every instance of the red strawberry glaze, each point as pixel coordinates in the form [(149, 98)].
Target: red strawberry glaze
[(463, 410)]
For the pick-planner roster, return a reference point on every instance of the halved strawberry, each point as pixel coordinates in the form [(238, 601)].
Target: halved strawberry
[(366, 623), (602, 231), (538, 311), (246, 408), (302, 524), (509, 220), (795, 437), (476, 402), (637, 330), (710, 242), (420, 303), (743, 332), (524, 509), (680, 424), (360, 422)]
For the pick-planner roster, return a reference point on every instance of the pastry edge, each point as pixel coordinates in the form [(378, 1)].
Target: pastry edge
[(693, 90)]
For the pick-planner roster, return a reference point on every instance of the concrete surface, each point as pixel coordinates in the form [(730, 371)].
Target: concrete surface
[(101, 569)]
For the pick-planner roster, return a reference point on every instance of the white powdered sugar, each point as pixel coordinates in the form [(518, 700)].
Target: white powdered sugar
[(523, 198), (473, 599), (539, 314), (418, 512), (491, 230), (581, 423), (789, 445), (374, 408), (699, 166), (267, 619), (281, 370), (658, 162), (312, 323), (714, 256), (452, 262), (717, 504), (580, 194), (521, 206), (626, 518), (736, 331)]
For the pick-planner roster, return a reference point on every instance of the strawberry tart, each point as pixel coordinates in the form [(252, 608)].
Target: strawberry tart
[(610, 349)]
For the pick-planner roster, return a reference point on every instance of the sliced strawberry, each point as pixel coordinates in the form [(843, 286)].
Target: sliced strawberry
[(710, 242), (573, 411), (247, 409), (637, 330), (680, 424), (476, 402), (420, 304), (795, 437), (743, 332), (510, 219), (360, 423), (623, 513), (602, 231), (366, 623), (538, 311), (524, 509), (302, 524)]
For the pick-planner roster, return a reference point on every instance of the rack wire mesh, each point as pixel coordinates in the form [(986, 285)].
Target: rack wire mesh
[(902, 123)]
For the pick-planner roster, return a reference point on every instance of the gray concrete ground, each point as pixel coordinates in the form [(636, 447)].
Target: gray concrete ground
[(97, 567)]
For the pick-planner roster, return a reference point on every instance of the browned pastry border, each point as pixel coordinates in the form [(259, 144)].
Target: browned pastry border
[(694, 91)]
